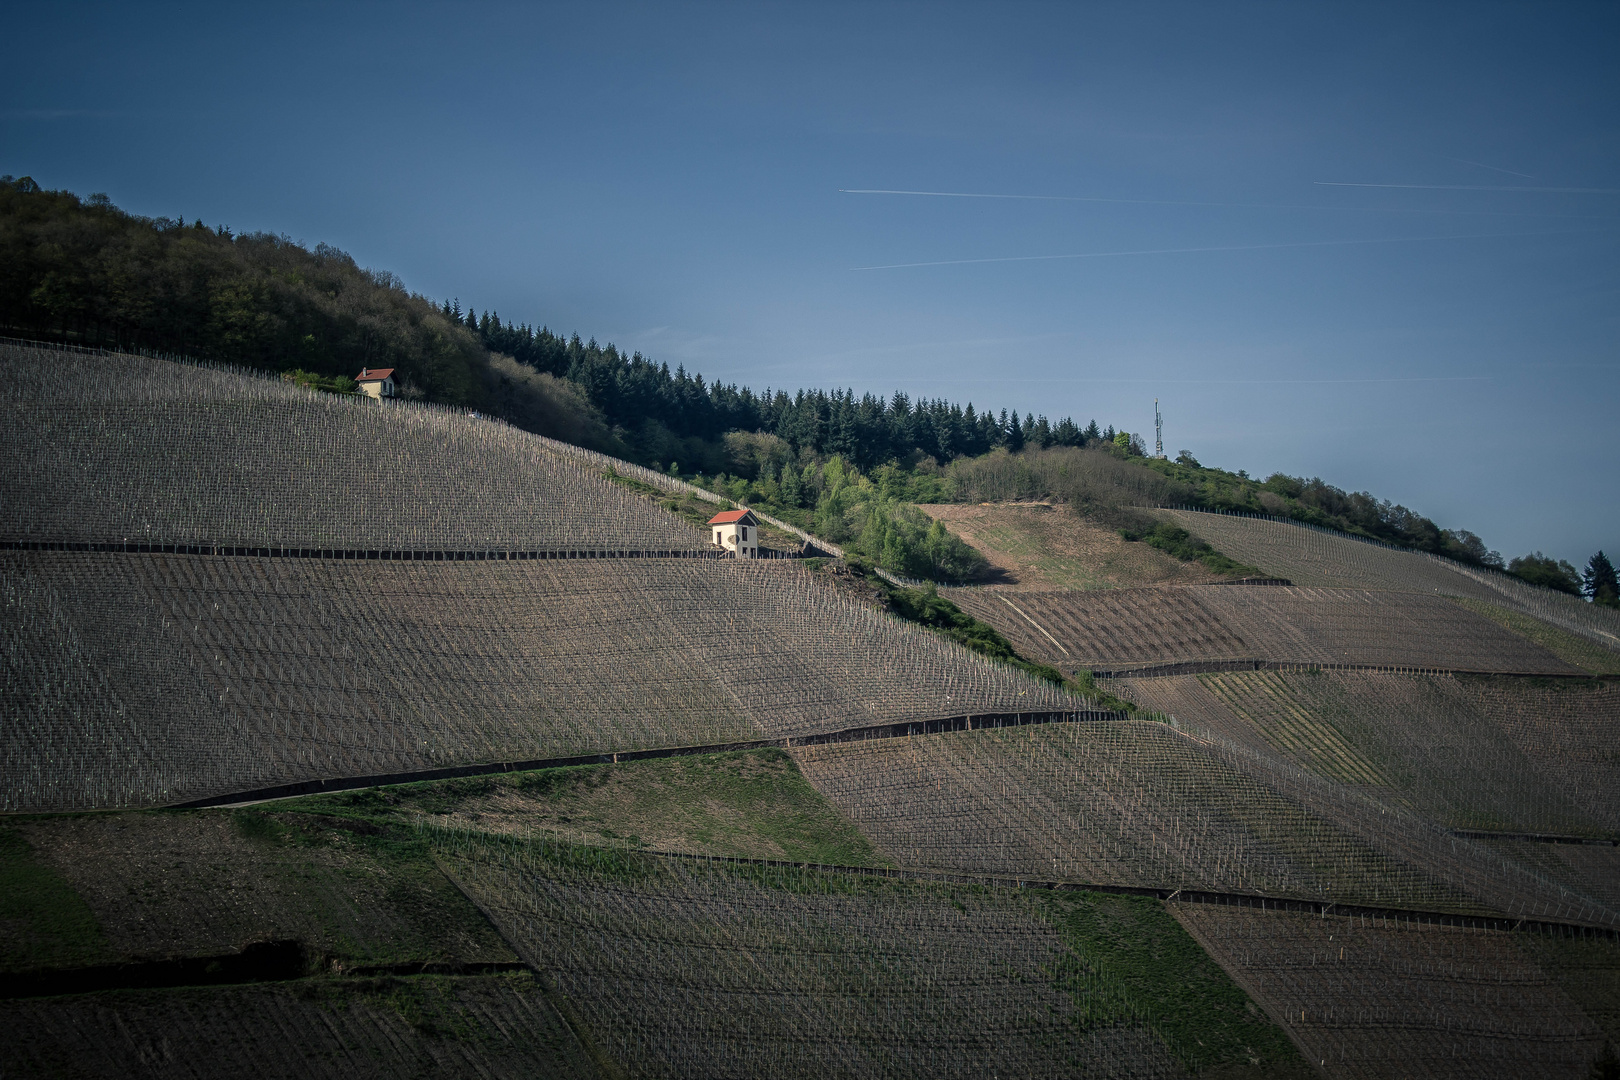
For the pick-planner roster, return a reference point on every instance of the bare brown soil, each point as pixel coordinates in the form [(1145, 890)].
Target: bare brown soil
[(178, 884), (1371, 999), (1047, 546), (1588, 970)]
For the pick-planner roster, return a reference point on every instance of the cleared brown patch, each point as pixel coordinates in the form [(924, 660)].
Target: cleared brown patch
[(1047, 546)]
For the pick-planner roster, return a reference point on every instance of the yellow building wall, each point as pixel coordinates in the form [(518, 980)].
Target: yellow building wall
[(729, 539)]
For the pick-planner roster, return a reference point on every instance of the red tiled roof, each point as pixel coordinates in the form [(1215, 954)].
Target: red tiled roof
[(729, 517), (374, 374)]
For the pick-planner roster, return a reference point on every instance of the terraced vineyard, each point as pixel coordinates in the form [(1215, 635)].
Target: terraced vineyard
[(206, 884), (1591, 869), (147, 679), (1374, 999), (1141, 803), (1497, 754), (542, 612), (685, 968), (1143, 627), (107, 448), (1308, 556), (497, 1026)]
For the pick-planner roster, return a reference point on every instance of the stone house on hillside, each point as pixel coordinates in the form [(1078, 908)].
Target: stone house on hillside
[(736, 531), (377, 382)]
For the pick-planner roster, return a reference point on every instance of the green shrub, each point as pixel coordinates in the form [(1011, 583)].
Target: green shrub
[(331, 384), (902, 539), (1550, 573), (1176, 541), (926, 607)]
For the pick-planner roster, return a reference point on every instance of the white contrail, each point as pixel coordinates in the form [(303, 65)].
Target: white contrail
[(1192, 202), (1478, 187), (1493, 168), (977, 195), (1305, 382), (1163, 381), (1224, 247)]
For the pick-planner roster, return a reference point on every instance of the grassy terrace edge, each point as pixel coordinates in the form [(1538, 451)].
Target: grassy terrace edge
[(902, 729)]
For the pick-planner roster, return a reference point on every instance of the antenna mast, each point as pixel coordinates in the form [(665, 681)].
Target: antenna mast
[(1158, 430)]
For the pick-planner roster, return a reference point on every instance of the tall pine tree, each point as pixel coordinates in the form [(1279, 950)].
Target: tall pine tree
[(1599, 582)]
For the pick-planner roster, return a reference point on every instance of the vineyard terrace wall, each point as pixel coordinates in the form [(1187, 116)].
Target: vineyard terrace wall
[(139, 680), (1126, 628), (111, 448)]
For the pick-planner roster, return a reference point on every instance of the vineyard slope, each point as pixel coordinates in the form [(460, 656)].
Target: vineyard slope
[(688, 967), (1480, 753), (1147, 804), (1309, 556), (113, 448), (1377, 999), (151, 679), (1124, 628)]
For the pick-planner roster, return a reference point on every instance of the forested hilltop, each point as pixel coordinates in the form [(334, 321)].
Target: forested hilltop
[(82, 270)]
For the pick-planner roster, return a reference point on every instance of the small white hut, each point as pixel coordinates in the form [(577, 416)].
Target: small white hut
[(378, 382), (736, 531)]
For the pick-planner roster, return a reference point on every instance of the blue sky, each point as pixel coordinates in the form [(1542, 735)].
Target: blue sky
[(681, 180)]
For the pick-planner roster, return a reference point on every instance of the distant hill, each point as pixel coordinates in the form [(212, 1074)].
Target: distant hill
[(543, 785), (82, 270), (214, 582)]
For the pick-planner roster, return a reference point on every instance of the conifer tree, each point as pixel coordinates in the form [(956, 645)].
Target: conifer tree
[(1599, 583), (1014, 433)]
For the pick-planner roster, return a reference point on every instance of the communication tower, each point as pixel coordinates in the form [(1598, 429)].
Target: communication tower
[(1158, 431)]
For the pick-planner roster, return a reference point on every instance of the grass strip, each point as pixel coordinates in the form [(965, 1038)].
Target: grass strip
[(1148, 961), (745, 803), (44, 923), (1570, 648)]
